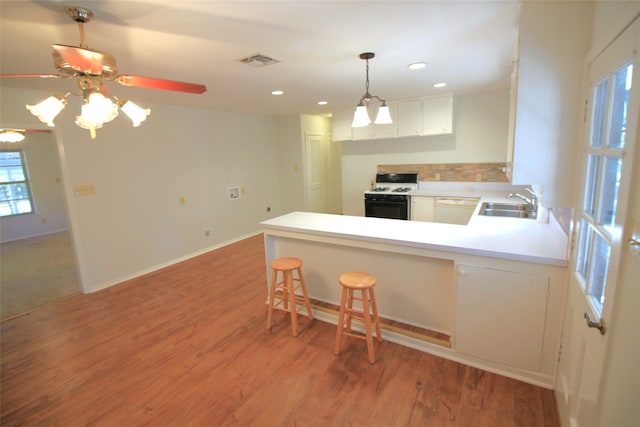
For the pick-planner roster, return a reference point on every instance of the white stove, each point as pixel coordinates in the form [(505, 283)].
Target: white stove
[(389, 198)]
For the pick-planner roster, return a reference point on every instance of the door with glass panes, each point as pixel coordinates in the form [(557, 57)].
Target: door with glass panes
[(611, 129)]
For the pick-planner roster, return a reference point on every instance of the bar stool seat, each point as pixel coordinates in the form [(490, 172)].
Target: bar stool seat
[(363, 282), (285, 290)]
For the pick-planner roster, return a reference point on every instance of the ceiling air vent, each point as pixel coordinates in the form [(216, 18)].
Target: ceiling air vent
[(259, 60)]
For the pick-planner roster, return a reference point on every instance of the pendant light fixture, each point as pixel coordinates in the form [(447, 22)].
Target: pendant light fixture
[(361, 115)]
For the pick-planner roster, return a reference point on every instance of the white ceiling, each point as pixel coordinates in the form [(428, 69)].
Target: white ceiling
[(468, 44)]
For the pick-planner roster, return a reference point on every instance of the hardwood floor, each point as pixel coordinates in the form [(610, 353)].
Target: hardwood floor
[(188, 346)]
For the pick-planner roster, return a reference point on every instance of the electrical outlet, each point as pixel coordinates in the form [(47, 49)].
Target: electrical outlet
[(478, 177), (437, 177), (207, 233)]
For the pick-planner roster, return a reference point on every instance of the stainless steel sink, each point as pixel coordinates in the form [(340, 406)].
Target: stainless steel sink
[(506, 206), (509, 210)]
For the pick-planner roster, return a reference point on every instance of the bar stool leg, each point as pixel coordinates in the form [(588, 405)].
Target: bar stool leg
[(272, 295), (367, 326), (303, 285), (349, 310), (374, 309), (340, 322), (290, 289)]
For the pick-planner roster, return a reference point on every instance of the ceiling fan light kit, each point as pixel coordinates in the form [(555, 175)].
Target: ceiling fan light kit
[(361, 115), (91, 67)]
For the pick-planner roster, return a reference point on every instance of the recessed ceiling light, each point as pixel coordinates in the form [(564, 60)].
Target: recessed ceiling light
[(277, 92), (441, 84), (322, 102), (417, 65)]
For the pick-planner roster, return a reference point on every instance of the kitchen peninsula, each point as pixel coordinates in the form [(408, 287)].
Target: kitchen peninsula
[(494, 286)]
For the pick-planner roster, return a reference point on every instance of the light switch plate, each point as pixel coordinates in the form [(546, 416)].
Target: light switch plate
[(84, 190)]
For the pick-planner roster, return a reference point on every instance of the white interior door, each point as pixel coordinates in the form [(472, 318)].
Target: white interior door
[(316, 174), (612, 126)]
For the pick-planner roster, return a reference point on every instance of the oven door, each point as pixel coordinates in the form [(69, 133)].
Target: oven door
[(386, 206)]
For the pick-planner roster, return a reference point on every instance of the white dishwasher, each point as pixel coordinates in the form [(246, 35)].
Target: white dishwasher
[(454, 210)]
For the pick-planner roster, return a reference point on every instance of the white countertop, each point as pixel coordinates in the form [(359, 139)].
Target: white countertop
[(507, 238)]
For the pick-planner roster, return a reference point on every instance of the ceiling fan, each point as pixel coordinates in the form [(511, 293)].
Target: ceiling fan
[(91, 67)]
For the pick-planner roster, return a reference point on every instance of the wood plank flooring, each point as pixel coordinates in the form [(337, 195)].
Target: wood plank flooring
[(188, 346)]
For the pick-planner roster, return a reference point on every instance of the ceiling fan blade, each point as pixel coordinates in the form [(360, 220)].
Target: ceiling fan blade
[(36, 130), (153, 83), (77, 59), (42, 76)]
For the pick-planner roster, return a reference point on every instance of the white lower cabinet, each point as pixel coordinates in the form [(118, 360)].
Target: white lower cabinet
[(500, 316), (422, 208)]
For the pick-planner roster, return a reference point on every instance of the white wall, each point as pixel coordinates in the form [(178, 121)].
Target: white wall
[(291, 131), (135, 222), (45, 177), (480, 135)]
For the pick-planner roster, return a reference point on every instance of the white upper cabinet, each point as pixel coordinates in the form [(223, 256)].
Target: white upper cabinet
[(426, 116), (547, 111), (410, 118), (415, 117), (438, 115)]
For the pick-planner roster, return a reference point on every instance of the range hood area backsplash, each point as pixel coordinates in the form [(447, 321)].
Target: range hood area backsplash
[(451, 172)]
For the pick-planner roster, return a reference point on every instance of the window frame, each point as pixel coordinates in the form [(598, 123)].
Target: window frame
[(26, 182), (592, 229)]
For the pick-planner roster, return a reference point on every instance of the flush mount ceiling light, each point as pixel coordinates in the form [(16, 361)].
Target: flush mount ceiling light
[(13, 136), (91, 67), (417, 65), (361, 115)]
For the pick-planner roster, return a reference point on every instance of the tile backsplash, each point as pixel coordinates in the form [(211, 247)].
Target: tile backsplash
[(452, 172)]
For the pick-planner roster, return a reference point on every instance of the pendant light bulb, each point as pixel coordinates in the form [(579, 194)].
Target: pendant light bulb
[(360, 117), (48, 109), (384, 116), (136, 113)]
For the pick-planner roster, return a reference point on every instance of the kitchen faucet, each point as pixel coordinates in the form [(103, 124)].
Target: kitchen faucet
[(532, 202)]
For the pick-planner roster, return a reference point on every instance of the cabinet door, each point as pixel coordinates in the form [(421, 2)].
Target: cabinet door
[(410, 118), (500, 316), (341, 123), (422, 208), (438, 115), (390, 130)]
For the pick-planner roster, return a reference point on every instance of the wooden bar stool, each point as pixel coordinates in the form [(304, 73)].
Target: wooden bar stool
[(363, 282), (286, 289)]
